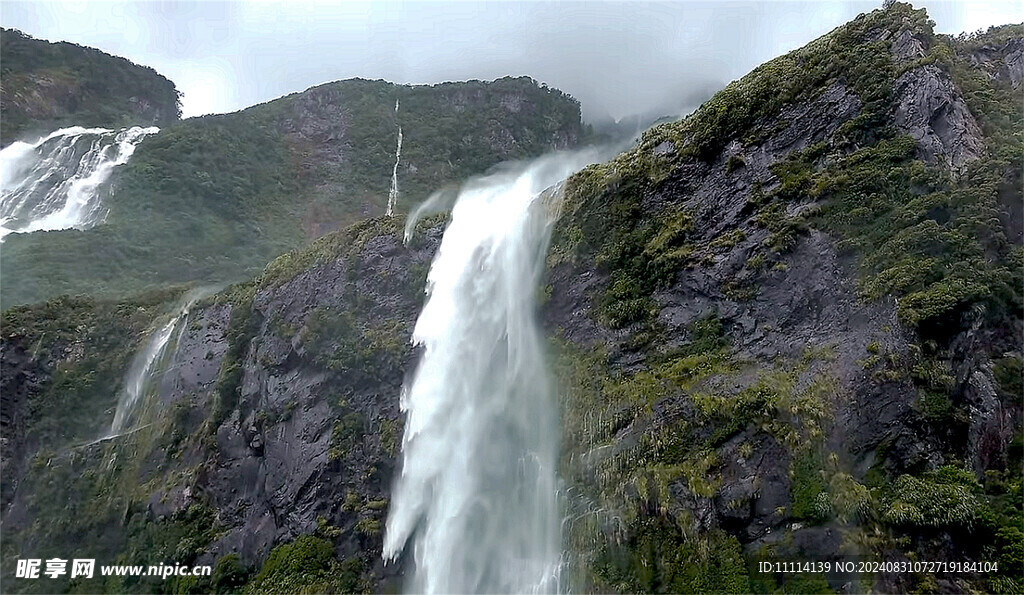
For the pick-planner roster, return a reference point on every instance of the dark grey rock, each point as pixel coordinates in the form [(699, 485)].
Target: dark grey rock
[(1004, 63), (930, 109), (907, 47)]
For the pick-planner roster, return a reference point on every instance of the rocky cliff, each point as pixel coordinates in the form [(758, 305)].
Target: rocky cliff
[(789, 326), (277, 417), (47, 86), (786, 327)]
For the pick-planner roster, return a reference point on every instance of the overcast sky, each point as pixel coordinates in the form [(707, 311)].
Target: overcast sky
[(617, 58)]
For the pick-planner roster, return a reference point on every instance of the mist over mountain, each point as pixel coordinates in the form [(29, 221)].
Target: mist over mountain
[(618, 58)]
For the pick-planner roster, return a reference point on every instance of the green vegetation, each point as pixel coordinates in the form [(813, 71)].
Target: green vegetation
[(934, 239), (800, 583), (789, 401), (390, 435), (94, 499), (346, 342), (229, 574), (346, 434), (242, 325), (851, 53), (660, 558), (54, 85), (1009, 376), (809, 483), (306, 566), (215, 198), (923, 238), (922, 235), (641, 254), (774, 404), (86, 347), (368, 527), (347, 243), (943, 498)]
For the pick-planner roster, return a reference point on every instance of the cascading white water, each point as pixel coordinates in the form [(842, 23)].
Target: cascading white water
[(477, 491), (55, 182), (393, 193), (145, 366), (139, 375)]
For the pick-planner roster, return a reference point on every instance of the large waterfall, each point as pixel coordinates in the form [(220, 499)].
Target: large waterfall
[(55, 182), (477, 492)]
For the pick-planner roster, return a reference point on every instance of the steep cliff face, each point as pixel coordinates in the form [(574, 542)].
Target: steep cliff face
[(47, 86), (781, 323), (786, 327), (276, 417), (248, 186)]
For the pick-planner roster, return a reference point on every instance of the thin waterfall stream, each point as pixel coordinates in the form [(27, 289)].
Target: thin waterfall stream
[(477, 497), (147, 366), (393, 192)]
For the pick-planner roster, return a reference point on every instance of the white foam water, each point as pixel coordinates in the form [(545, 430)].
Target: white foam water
[(56, 182), (477, 495), (146, 366), (393, 192)]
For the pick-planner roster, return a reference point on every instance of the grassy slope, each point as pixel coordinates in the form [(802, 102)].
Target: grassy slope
[(215, 198)]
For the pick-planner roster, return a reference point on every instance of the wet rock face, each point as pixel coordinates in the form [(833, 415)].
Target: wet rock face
[(812, 300), (809, 297), (20, 377), (755, 491), (718, 200), (991, 423), (930, 109), (907, 46), (314, 435), (199, 353), (1014, 61), (717, 194)]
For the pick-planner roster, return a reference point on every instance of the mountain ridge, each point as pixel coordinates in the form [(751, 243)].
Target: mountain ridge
[(247, 186), (51, 85)]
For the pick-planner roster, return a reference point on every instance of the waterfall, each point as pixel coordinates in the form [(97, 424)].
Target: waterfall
[(139, 375), (145, 367), (55, 182), (477, 492), (393, 193)]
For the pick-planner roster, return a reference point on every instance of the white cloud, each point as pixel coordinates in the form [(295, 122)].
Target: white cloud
[(618, 58)]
